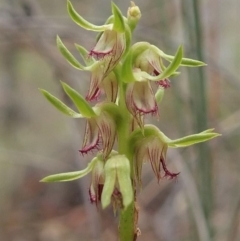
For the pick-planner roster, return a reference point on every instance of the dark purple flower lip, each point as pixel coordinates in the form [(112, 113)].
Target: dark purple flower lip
[(165, 83), (168, 174), (93, 146), (100, 55), (95, 198), (139, 111)]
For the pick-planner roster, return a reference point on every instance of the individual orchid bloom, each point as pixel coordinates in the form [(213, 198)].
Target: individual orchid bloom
[(110, 47), (99, 130), (98, 83), (148, 59), (150, 144), (117, 188), (140, 100), (111, 181), (150, 62), (108, 85), (154, 150), (108, 51), (97, 185)]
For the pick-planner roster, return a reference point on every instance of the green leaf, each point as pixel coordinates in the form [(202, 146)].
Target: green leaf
[(67, 55), (109, 184), (172, 67), (193, 139), (60, 105), (118, 24), (82, 22), (70, 176), (82, 105)]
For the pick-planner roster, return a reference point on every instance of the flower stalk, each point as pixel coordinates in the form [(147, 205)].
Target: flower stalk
[(122, 87)]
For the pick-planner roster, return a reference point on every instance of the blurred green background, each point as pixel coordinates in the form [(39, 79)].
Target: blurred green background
[(36, 140)]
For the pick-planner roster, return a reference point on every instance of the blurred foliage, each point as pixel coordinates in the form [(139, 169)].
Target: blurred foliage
[(36, 140)]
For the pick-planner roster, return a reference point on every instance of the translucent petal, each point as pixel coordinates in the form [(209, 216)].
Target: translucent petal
[(110, 86), (97, 183), (139, 159), (110, 47), (107, 129), (91, 136), (95, 82), (143, 97), (155, 148)]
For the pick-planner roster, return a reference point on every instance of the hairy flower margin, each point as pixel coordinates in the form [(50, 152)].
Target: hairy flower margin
[(133, 79)]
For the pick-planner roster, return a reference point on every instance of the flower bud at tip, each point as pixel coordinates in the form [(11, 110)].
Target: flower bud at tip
[(133, 15)]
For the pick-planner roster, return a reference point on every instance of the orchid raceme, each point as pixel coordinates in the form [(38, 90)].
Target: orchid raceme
[(115, 128)]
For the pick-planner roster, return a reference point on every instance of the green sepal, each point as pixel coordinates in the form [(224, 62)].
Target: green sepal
[(117, 172), (118, 23), (151, 130), (192, 63), (159, 95), (84, 23), (109, 184), (208, 130), (124, 180), (139, 135), (70, 176), (82, 105), (128, 37), (67, 55), (111, 108), (127, 67), (88, 60), (172, 67), (60, 105), (193, 139), (185, 61)]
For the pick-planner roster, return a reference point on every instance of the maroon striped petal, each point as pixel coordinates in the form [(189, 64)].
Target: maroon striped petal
[(91, 137), (107, 129)]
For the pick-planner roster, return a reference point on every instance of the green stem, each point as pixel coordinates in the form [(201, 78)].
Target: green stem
[(127, 224), (128, 216), (124, 129)]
